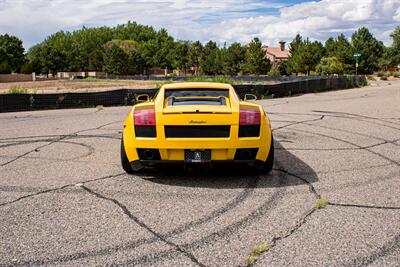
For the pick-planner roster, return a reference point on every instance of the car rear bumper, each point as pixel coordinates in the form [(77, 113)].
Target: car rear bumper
[(138, 164), (222, 149)]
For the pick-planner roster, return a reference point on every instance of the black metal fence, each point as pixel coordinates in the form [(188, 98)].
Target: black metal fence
[(26, 102)]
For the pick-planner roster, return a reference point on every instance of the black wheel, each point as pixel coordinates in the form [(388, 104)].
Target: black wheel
[(269, 163), (266, 166), (126, 165)]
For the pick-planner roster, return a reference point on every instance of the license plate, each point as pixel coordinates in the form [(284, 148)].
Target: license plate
[(197, 156)]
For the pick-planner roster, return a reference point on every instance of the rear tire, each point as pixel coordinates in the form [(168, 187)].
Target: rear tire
[(126, 165), (269, 163), (266, 166)]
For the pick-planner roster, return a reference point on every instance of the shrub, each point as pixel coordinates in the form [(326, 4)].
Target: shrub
[(172, 74), (274, 73), (91, 79), (381, 74), (396, 74), (330, 65), (17, 89), (216, 79)]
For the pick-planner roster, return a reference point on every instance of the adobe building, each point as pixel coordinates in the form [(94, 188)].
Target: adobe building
[(277, 54)]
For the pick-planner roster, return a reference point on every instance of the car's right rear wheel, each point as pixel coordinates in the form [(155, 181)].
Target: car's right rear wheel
[(269, 163), (266, 166)]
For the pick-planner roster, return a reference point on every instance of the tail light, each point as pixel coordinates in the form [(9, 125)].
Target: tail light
[(144, 117), (250, 117)]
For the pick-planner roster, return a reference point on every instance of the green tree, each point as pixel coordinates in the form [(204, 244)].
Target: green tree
[(306, 56), (4, 68), (12, 55), (330, 65), (370, 48), (289, 66), (159, 52), (181, 56), (134, 31), (134, 60), (27, 68), (396, 46), (391, 55), (34, 59), (295, 44), (96, 59), (255, 61), (233, 59), (53, 58), (196, 56), (115, 60), (212, 63), (164, 53), (341, 49)]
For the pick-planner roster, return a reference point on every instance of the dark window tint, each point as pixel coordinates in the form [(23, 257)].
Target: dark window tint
[(196, 92)]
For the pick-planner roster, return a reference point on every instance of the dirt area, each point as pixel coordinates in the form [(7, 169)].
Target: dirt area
[(62, 86)]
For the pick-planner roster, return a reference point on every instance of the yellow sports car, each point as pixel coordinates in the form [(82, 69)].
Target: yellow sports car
[(195, 124)]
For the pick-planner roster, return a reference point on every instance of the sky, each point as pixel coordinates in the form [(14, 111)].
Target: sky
[(222, 21)]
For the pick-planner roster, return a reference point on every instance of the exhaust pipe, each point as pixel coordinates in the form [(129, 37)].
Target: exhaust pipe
[(245, 154), (148, 154)]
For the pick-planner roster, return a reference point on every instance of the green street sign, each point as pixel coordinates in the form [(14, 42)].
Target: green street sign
[(357, 54)]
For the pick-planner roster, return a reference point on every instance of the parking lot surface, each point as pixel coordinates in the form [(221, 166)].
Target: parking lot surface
[(332, 199)]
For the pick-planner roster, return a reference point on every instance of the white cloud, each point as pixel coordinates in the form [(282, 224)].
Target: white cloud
[(317, 20), (223, 21)]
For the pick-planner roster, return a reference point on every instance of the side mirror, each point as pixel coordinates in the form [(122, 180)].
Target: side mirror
[(248, 97), (142, 98)]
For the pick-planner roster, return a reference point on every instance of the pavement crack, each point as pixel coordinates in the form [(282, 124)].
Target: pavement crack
[(61, 137), (304, 180), (59, 188), (299, 122), (33, 150), (126, 211), (353, 144), (289, 232), (292, 230), (363, 206)]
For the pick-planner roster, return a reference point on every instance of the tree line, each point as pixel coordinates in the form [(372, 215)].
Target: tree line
[(131, 49)]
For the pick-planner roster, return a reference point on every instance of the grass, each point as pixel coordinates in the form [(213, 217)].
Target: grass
[(260, 249), (381, 73), (99, 107), (251, 260), (255, 252), (17, 89), (321, 203)]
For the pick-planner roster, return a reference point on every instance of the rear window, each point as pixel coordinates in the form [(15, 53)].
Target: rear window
[(180, 97), (196, 92)]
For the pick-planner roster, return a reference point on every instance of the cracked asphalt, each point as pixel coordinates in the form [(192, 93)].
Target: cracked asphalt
[(64, 199)]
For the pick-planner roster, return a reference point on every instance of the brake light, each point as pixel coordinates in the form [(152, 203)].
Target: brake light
[(144, 117), (250, 117)]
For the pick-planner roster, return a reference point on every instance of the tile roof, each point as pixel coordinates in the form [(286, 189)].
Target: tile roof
[(277, 52)]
